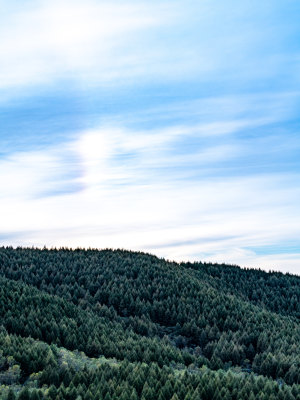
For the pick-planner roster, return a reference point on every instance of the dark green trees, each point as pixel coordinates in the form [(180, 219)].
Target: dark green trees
[(160, 321)]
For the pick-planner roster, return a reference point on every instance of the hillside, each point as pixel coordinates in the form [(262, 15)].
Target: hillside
[(90, 324)]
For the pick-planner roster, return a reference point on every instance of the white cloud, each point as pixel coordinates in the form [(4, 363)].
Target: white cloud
[(48, 41), (119, 187), (93, 42), (123, 204), (122, 155)]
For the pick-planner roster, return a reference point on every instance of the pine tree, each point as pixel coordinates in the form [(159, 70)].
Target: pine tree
[(34, 395), (24, 394), (11, 395)]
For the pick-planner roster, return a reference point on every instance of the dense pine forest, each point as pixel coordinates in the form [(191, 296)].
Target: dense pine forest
[(88, 324)]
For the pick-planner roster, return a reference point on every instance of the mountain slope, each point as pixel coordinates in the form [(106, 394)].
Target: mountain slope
[(274, 291), (136, 307)]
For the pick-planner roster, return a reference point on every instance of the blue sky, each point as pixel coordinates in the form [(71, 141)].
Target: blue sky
[(170, 127)]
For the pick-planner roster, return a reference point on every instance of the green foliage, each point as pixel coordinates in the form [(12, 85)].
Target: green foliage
[(65, 314)]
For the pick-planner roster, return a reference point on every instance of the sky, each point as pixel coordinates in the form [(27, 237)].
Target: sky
[(170, 127)]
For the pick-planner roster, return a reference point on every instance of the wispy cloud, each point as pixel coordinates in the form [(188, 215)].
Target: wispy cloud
[(163, 126), (134, 203), (88, 41), (94, 43)]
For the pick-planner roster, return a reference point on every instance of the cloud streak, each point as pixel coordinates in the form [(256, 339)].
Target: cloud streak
[(117, 203), (93, 43), (74, 39), (166, 126)]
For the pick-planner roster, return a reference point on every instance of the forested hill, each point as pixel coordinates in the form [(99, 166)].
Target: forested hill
[(89, 324)]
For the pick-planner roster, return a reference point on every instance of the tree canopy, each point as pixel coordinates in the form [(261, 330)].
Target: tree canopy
[(90, 324)]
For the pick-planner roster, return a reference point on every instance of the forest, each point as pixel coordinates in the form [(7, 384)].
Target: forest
[(89, 324)]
